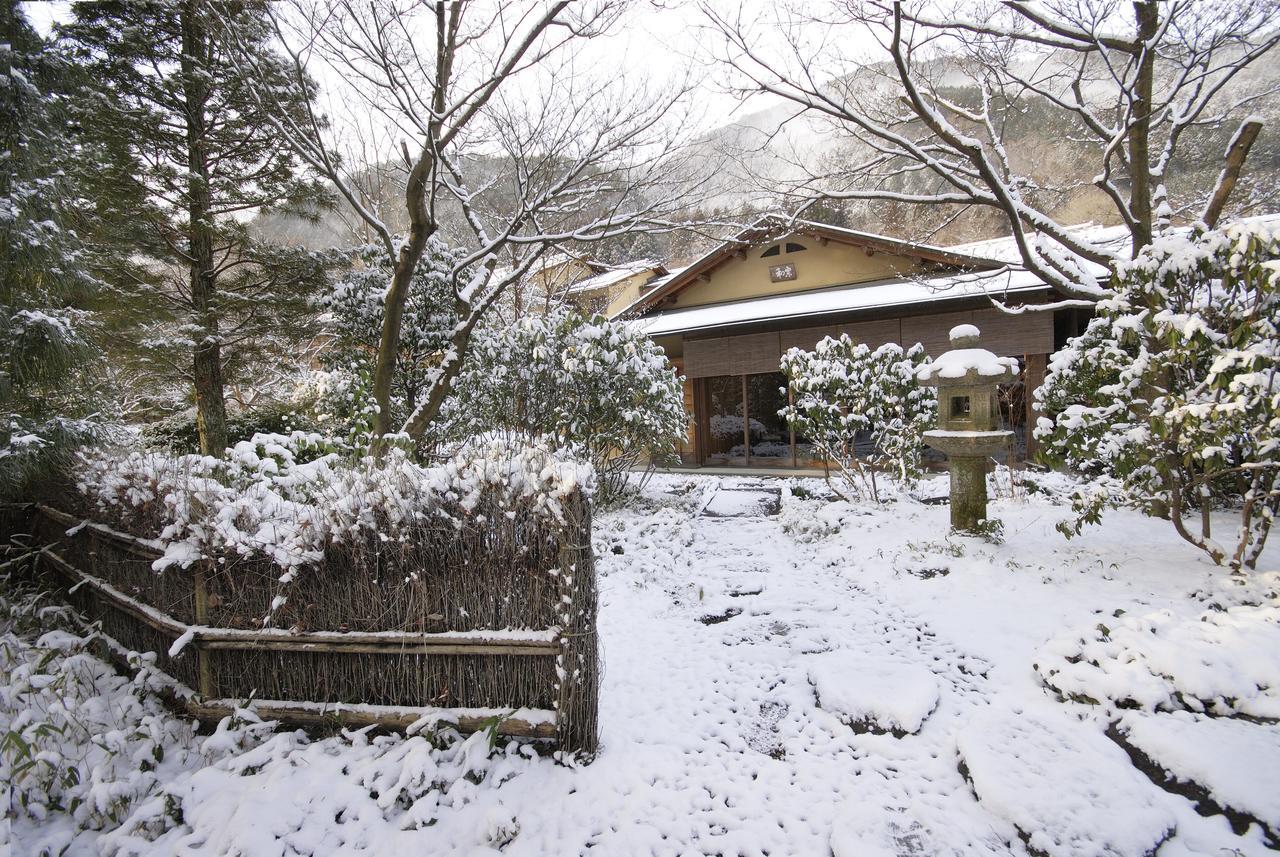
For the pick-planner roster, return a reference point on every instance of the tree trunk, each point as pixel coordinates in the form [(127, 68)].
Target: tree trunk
[(1147, 13), (211, 408), (392, 319)]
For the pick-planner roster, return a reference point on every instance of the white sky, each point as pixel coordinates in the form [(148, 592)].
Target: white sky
[(656, 38)]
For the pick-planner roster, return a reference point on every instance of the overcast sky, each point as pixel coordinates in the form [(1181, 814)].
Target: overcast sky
[(656, 38)]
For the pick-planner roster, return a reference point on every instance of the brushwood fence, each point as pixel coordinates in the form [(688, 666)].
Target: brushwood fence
[(488, 624)]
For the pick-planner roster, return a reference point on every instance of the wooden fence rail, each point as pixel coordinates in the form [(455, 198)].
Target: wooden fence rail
[(538, 683)]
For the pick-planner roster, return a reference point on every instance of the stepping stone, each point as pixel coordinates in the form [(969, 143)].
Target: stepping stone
[(1225, 766), (743, 503), (874, 695), (1068, 790)]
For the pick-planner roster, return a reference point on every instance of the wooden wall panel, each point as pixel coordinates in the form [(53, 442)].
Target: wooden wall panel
[(1006, 335), (1015, 335), (688, 448), (732, 355), (807, 337), (706, 357), (876, 333), (931, 330)]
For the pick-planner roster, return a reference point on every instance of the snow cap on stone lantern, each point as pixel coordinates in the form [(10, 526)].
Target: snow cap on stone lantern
[(967, 378)]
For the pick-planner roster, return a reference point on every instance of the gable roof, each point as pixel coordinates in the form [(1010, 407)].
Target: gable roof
[(770, 228), (615, 276)]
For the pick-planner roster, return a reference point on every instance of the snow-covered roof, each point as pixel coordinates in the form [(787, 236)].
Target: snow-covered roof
[(557, 258), (771, 228), (842, 299), (1005, 248), (613, 277)]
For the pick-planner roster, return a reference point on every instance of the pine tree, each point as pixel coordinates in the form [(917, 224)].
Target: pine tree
[(182, 156), (44, 277)]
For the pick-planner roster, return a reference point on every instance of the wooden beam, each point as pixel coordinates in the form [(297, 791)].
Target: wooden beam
[(1035, 366), (132, 544), (390, 717), (380, 642)]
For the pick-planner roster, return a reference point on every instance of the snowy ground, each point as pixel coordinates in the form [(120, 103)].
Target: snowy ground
[(792, 676)]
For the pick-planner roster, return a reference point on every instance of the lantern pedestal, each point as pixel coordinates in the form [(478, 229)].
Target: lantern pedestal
[(967, 453), (967, 378)]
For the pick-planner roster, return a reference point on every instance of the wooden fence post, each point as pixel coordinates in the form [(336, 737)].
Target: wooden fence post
[(203, 671), (578, 664)]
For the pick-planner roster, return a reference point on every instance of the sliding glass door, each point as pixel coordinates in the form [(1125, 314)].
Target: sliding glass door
[(739, 419)]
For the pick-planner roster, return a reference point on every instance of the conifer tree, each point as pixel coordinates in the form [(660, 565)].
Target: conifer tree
[(44, 277), (185, 159)]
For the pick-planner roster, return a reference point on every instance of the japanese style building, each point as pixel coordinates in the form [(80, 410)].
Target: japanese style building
[(726, 319)]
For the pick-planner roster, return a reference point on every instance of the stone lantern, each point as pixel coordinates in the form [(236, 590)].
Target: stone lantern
[(967, 378)]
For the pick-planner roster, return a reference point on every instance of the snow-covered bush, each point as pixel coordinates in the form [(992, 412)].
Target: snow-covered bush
[(179, 433), (596, 387), (1221, 662), (1173, 388), (339, 396), (843, 389), (78, 738), (288, 498), (94, 763)]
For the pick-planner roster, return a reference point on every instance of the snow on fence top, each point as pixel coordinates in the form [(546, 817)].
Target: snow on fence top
[(263, 501)]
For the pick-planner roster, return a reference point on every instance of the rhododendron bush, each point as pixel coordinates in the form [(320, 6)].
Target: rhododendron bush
[(844, 391), (598, 388), (1173, 390)]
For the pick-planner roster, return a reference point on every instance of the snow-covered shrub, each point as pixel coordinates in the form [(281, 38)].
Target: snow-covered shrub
[(288, 498), (78, 738), (596, 387), (1173, 389), (1221, 662), (339, 395), (338, 403), (178, 432), (843, 389)]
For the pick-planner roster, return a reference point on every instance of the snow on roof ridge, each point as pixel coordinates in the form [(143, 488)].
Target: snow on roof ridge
[(614, 275), (838, 299)]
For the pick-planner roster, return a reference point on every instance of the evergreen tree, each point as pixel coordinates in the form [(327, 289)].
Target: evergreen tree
[(1173, 390), (181, 157), (44, 277)]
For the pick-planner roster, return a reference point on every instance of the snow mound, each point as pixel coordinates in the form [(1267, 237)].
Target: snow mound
[(1061, 784), (1221, 662), (1235, 764), (876, 695)]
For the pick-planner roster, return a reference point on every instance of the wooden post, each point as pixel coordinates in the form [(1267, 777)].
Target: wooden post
[(578, 664), (203, 668), (1032, 377)]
